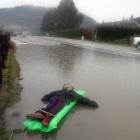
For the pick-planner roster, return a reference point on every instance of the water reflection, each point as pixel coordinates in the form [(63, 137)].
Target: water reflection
[(64, 58), (111, 80)]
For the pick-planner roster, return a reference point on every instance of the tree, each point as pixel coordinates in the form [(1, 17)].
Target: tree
[(65, 16), (49, 20), (68, 15)]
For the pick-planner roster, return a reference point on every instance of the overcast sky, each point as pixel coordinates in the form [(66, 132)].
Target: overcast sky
[(100, 10)]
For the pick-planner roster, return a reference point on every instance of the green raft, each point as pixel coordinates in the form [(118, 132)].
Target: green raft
[(36, 126)]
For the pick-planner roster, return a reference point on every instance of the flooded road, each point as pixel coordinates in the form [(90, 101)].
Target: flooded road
[(113, 81)]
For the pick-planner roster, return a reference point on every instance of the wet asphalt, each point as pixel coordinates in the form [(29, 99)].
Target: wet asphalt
[(112, 80)]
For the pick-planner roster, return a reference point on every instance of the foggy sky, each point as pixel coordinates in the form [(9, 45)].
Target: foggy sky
[(100, 10)]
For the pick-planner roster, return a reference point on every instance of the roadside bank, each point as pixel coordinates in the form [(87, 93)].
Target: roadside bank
[(10, 91)]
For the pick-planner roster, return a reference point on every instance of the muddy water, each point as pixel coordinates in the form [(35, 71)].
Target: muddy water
[(111, 80)]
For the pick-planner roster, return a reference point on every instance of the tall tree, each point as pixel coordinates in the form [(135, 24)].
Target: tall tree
[(65, 16), (49, 21)]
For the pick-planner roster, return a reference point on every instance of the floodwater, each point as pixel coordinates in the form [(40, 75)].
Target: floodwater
[(113, 81)]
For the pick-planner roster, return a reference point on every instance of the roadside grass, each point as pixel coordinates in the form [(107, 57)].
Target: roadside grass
[(10, 92), (12, 83)]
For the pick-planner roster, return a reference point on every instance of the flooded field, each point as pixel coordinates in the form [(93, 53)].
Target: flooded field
[(111, 80)]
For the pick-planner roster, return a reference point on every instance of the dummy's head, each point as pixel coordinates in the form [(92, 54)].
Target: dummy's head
[(67, 86)]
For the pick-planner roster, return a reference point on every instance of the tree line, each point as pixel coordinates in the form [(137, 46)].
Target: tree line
[(65, 21), (117, 33)]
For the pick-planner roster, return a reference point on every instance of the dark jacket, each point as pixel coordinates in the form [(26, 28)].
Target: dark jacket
[(70, 96)]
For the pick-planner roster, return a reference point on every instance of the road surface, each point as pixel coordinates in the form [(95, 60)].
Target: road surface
[(94, 46), (110, 78)]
